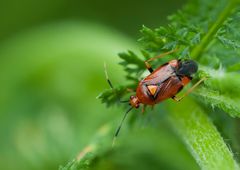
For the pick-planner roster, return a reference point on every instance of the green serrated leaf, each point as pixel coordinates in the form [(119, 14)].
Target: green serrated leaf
[(131, 59), (228, 43), (112, 96), (215, 99)]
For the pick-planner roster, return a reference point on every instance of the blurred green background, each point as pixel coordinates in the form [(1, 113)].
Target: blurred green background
[(51, 70)]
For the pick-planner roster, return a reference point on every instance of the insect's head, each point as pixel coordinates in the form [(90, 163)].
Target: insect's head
[(134, 101), (187, 68)]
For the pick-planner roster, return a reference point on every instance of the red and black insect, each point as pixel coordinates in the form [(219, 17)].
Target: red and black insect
[(162, 83)]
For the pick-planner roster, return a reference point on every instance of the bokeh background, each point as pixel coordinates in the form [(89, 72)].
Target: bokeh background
[(51, 70)]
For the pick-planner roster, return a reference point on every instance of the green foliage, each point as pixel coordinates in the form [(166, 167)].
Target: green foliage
[(110, 99), (131, 58), (222, 91), (206, 31), (215, 99)]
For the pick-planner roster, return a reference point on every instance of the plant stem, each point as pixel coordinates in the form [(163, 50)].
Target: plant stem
[(200, 136), (209, 36), (101, 143)]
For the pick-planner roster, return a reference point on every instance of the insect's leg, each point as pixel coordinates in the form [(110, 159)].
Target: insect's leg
[(176, 98), (130, 90), (189, 90), (149, 67), (144, 108)]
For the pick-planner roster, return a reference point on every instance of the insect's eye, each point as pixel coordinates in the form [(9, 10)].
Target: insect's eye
[(132, 97)]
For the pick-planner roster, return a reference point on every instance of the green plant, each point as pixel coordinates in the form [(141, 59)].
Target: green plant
[(206, 31)]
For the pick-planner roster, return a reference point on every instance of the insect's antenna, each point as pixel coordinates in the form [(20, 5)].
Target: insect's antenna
[(110, 83), (124, 101), (120, 126), (106, 74)]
